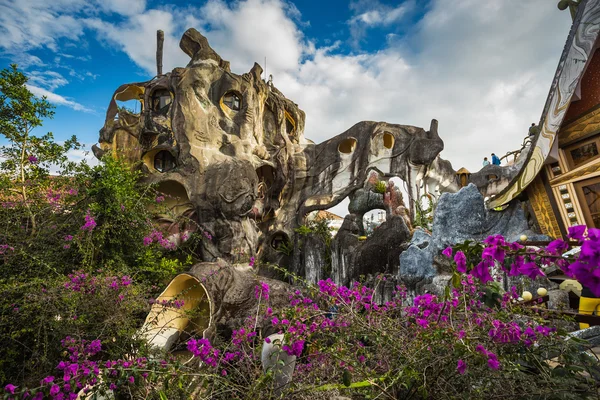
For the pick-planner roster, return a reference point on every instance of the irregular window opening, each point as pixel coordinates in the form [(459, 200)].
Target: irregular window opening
[(289, 126), (129, 100), (372, 220), (266, 177), (232, 101), (334, 221), (347, 146), (132, 106), (279, 239), (161, 101), (164, 161), (388, 140)]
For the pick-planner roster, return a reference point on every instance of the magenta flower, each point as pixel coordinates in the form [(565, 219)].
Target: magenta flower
[(494, 253), (493, 362), (422, 322), (32, 159), (482, 272), (54, 390), (516, 265), (531, 270), (160, 199), (461, 262), (10, 388), (447, 251), (90, 223), (557, 247), (496, 240), (461, 367), (576, 232)]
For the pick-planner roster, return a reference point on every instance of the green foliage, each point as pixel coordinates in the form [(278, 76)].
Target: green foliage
[(424, 208), (120, 207), (27, 159), (380, 187), (286, 248), (92, 219), (37, 314)]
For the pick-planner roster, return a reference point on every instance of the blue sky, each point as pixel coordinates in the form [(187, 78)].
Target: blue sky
[(482, 68)]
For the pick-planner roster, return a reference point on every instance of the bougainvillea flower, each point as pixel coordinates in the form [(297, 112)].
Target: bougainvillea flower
[(447, 251), (576, 232), (531, 270), (461, 367), (461, 262)]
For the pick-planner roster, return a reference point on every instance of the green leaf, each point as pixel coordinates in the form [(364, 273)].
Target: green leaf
[(346, 378), (456, 279)]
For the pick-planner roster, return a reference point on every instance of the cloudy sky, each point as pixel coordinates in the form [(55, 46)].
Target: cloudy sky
[(483, 68)]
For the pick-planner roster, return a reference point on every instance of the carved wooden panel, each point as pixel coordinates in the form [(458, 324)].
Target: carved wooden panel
[(587, 171), (540, 202), (585, 126)]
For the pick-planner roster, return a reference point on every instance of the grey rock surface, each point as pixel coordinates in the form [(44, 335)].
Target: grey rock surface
[(462, 216), (458, 217)]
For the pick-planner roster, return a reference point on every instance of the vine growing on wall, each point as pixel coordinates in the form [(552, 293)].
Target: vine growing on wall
[(424, 209)]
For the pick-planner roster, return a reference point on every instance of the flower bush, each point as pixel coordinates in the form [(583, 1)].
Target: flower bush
[(451, 347)]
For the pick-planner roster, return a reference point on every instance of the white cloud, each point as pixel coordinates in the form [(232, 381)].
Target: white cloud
[(137, 38), (58, 99), (46, 79), (243, 32), (371, 13), (80, 155), (123, 7), (31, 24)]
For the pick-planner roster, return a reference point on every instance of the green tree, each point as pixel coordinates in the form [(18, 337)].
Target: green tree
[(27, 158)]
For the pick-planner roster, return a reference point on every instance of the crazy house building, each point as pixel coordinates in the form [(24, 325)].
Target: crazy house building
[(229, 152)]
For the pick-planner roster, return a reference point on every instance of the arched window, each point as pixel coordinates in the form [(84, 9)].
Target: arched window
[(347, 146), (232, 101), (164, 161), (160, 101)]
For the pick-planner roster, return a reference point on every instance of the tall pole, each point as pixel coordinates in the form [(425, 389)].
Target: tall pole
[(160, 38)]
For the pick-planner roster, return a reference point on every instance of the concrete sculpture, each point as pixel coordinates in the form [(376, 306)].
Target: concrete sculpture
[(229, 153)]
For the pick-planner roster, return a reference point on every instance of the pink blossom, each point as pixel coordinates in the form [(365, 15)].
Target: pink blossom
[(461, 367), (90, 223), (461, 262), (10, 388), (447, 251)]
